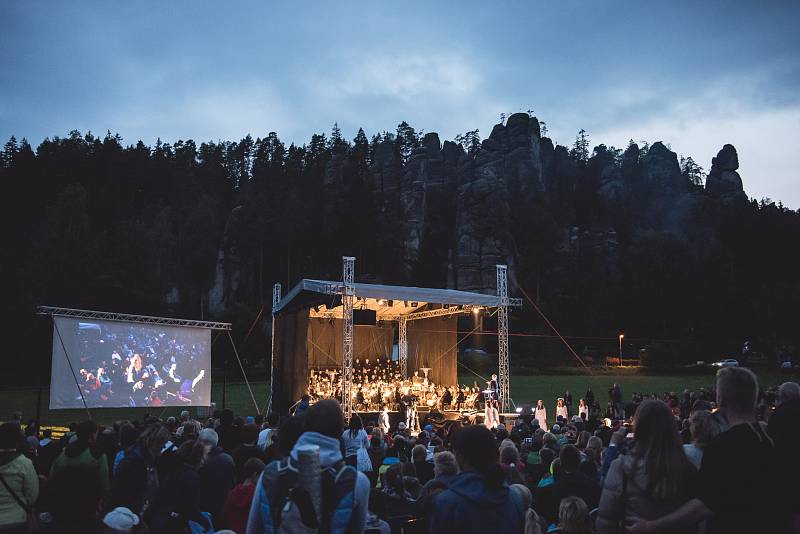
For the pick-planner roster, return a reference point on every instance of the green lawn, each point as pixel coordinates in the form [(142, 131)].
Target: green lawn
[(524, 389)]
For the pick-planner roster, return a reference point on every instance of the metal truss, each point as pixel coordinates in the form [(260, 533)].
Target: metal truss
[(348, 296), (276, 298), (402, 347), (502, 337), (144, 319), (441, 312)]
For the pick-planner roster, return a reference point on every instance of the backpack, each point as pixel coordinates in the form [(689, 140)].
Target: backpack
[(286, 507)]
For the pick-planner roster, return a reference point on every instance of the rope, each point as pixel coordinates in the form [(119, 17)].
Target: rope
[(566, 344), (246, 381), (72, 369), (252, 326)]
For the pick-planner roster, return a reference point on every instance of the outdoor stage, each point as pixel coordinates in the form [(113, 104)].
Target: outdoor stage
[(331, 324)]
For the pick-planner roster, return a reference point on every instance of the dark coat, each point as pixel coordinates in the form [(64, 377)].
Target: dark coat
[(216, 479)]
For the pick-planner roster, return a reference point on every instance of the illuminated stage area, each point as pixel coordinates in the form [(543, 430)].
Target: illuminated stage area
[(325, 331)]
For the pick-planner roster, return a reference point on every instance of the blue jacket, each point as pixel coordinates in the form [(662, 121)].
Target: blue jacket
[(470, 506), (329, 453)]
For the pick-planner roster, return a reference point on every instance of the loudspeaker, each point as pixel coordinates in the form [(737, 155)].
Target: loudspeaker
[(364, 317)]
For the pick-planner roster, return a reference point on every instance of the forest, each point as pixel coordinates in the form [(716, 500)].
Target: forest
[(636, 239)]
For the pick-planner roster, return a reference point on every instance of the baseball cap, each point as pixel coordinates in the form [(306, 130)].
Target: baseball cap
[(121, 519)]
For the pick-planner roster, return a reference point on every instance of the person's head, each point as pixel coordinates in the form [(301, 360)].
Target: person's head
[(394, 477), (509, 454), (191, 429), (659, 446), (419, 453), (184, 416), (208, 437), (560, 402), (325, 417), (76, 491), (289, 432), (737, 391), (252, 470), (250, 434), (547, 456), (573, 516), (593, 447), (703, 427), (788, 391), (549, 440), (583, 439), (570, 459), (193, 453), (86, 431), (127, 434), (137, 362), (10, 436), (524, 493), (476, 448), (355, 425), (445, 464), (540, 404), (555, 468), (375, 442)]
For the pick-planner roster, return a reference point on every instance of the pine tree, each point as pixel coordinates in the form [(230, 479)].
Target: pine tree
[(337, 143), (407, 139), (580, 149)]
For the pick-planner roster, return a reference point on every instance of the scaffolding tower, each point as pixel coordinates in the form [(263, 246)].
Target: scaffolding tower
[(502, 337), (348, 295), (276, 298)]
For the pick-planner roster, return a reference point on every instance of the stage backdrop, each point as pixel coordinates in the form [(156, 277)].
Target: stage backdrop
[(432, 343), (324, 342), (119, 364)]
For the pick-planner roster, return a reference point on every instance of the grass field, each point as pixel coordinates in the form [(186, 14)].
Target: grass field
[(524, 389)]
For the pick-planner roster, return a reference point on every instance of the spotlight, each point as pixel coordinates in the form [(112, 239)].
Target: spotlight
[(519, 409), (414, 304), (381, 302), (476, 310)]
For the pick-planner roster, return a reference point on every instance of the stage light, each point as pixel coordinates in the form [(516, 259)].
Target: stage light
[(381, 302), (476, 310), (414, 304), (519, 409)]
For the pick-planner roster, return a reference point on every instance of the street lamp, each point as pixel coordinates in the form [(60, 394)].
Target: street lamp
[(621, 337)]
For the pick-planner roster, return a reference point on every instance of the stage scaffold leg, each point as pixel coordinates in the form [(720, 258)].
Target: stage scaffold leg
[(276, 298), (402, 347), (502, 338), (348, 295)]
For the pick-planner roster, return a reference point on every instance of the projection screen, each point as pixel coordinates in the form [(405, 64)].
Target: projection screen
[(121, 365)]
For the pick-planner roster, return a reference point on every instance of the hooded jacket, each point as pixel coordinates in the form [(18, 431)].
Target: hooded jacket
[(469, 505), (18, 472), (330, 452), (237, 507), (81, 453)]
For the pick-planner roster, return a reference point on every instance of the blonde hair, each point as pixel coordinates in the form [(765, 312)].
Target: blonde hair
[(573, 515), (704, 428), (444, 463)]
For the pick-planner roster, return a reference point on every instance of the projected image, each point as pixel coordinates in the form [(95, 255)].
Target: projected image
[(129, 365)]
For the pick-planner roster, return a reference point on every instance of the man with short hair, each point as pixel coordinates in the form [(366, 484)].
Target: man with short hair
[(737, 479)]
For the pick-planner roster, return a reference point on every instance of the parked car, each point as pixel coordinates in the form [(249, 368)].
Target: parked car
[(728, 362)]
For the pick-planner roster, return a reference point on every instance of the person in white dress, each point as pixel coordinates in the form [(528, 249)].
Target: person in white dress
[(541, 415), (583, 409), (561, 409), (383, 422), (491, 418)]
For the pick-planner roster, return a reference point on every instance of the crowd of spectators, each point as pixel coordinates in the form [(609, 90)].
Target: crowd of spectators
[(714, 461)]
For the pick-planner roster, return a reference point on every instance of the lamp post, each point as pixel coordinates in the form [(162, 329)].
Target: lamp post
[(621, 337)]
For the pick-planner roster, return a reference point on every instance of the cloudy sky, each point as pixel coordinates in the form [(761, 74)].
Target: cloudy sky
[(694, 74)]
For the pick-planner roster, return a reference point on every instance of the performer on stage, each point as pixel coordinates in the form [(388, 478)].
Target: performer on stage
[(561, 409), (583, 409), (494, 387), (491, 418), (541, 415), (383, 420)]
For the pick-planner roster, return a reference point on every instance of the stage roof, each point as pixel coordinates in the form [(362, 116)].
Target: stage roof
[(405, 299)]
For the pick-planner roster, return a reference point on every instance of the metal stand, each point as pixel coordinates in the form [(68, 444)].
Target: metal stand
[(402, 347), (348, 295), (276, 298), (502, 337)]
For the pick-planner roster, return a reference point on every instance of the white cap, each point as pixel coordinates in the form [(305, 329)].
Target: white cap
[(121, 519), (401, 426)]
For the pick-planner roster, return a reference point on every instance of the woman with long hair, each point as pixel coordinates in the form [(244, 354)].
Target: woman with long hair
[(561, 409), (540, 412), (178, 498), (478, 499), (583, 410), (135, 476), (653, 479), (354, 439)]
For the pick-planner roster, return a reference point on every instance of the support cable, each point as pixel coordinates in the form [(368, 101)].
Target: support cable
[(246, 381), (72, 369)]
